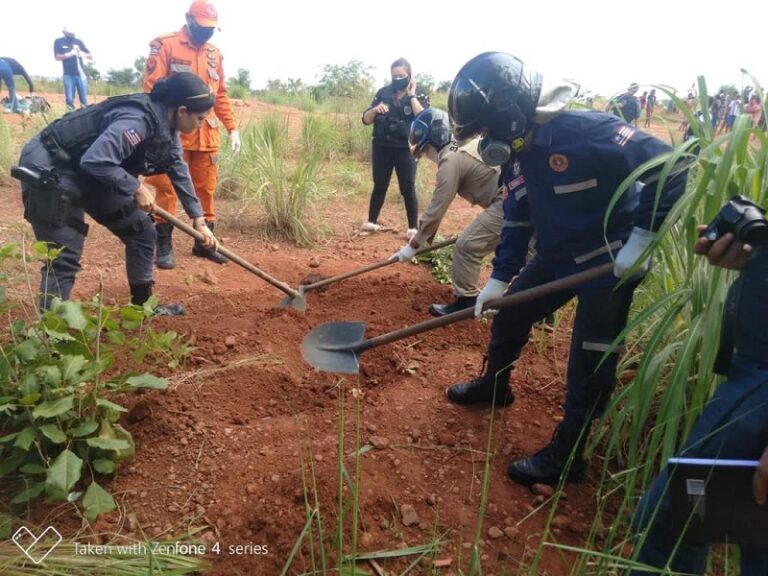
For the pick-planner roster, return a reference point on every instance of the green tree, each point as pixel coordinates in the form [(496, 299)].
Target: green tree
[(351, 80), (425, 83), (295, 86), (728, 89), (139, 65), (122, 77), (444, 86), (276, 85), (91, 73), (243, 79)]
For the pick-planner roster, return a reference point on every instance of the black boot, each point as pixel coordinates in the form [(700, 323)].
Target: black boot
[(459, 303), (140, 293), (563, 455), (491, 387), (199, 250), (164, 257)]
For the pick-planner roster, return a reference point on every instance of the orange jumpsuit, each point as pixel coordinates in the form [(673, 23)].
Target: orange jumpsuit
[(173, 53)]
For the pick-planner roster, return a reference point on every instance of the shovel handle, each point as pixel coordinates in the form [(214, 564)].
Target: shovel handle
[(375, 266), (186, 228), (505, 302)]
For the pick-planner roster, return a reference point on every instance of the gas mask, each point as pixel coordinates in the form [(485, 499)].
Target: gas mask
[(400, 83), (495, 152), (199, 34)]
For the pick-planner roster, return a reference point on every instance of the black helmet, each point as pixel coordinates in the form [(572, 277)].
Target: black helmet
[(494, 91), (431, 126)]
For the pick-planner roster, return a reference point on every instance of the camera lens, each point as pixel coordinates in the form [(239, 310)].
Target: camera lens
[(755, 233)]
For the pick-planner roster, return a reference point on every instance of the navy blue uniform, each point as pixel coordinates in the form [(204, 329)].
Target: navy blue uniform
[(559, 188), (105, 180), (733, 425), (8, 69)]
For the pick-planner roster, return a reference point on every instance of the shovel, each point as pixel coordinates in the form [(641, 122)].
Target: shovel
[(336, 346), (304, 288), (293, 298)]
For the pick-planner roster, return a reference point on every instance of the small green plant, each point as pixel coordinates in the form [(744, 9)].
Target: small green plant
[(58, 426), (441, 261)]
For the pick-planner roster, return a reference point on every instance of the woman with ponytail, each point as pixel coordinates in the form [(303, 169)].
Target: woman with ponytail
[(93, 160)]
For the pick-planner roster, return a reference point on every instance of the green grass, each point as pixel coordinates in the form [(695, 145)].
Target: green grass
[(672, 340)]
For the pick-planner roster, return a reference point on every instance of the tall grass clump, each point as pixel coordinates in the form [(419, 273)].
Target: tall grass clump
[(673, 333), (320, 136), (265, 173), (7, 155), (356, 138)]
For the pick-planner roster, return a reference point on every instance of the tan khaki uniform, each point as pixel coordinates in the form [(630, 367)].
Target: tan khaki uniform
[(461, 171)]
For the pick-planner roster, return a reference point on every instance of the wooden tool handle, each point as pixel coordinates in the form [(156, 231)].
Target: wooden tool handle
[(375, 266), (184, 227)]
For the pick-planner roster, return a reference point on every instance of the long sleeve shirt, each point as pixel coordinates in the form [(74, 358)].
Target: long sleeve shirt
[(561, 185), (459, 171)]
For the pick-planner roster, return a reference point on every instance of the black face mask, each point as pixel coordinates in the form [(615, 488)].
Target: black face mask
[(400, 83), (199, 34)]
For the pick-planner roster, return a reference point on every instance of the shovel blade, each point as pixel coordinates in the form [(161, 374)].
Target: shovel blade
[(297, 302), (332, 347)]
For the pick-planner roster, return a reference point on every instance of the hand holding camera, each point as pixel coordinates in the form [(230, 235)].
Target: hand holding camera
[(727, 241)]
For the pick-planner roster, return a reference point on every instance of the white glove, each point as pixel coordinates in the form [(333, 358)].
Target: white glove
[(630, 253), (234, 138), (405, 254), (493, 289)]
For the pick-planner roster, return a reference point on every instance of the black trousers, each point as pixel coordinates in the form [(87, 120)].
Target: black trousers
[(601, 315), (385, 159), (110, 208)]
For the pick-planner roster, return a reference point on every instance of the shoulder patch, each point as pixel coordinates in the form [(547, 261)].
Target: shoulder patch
[(132, 137), (623, 135)]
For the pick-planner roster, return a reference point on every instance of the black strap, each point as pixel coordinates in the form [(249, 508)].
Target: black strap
[(728, 329), (123, 212)]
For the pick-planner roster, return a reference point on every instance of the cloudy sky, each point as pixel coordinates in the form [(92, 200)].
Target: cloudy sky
[(604, 45)]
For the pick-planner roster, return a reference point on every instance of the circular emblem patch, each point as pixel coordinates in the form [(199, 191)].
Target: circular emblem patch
[(558, 162)]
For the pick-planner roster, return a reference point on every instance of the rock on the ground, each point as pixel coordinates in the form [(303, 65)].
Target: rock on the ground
[(408, 515)]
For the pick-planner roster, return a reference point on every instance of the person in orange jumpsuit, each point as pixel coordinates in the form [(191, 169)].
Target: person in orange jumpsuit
[(188, 50)]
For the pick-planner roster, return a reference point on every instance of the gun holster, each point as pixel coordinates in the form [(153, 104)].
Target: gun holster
[(45, 201)]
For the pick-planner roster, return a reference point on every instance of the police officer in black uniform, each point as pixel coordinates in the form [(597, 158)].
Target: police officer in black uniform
[(391, 112), (559, 175), (89, 161)]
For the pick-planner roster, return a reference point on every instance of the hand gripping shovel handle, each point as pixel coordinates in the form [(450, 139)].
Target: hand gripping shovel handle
[(184, 227), (370, 267), (505, 302)]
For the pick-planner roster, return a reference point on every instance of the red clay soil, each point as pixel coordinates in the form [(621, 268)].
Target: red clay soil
[(222, 450)]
